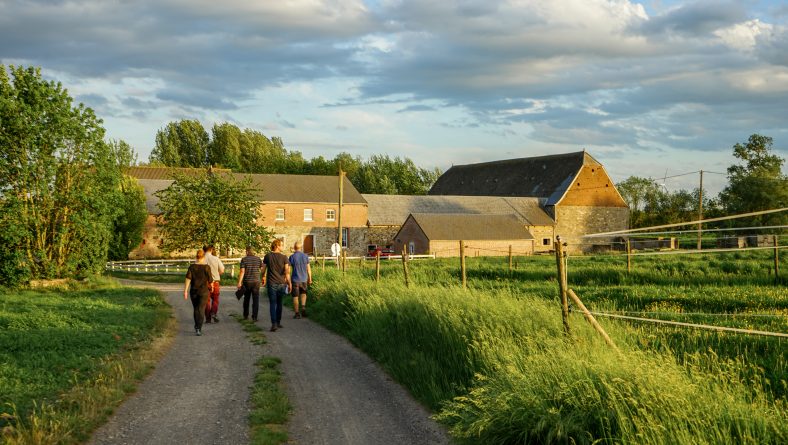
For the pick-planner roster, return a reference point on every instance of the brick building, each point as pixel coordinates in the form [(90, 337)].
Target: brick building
[(573, 188), (483, 235), (292, 207), (387, 213)]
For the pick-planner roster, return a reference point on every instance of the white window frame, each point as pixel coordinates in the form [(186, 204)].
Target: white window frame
[(311, 213), (332, 213), (277, 218)]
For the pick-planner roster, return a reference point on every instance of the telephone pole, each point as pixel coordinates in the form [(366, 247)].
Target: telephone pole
[(339, 210)]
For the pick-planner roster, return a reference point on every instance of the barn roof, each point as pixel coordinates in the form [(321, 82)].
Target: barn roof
[(393, 210), (538, 177), (452, 226), (268, 187)]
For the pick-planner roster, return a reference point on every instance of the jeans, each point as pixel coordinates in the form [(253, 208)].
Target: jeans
[(251, 289), (212, 306), (198, 301), (275, 294)]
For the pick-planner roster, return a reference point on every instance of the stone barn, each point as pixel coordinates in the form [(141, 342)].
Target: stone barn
[(484, 235), (573, 188), (387, 213)]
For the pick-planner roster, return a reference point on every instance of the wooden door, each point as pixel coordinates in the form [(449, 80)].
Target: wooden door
[(309, 245)]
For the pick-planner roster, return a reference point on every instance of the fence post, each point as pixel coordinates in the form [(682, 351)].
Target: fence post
[(462, 265), (591, 319), (562, 282), (405, 265), (776, 259), (510, 257), (377, 265), (629, 257)]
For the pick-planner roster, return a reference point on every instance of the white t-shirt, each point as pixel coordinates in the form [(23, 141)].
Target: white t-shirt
[(215, 264)]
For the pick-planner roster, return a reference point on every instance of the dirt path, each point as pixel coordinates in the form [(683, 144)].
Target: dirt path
[(199, 391)]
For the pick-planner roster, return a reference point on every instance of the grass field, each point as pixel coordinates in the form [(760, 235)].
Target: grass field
[(494, 364), (69, 355)]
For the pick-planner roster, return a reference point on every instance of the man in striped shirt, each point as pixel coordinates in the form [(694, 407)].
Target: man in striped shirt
[(249, 278)]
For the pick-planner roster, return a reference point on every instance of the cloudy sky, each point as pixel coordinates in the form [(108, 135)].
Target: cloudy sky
[(655, 88)]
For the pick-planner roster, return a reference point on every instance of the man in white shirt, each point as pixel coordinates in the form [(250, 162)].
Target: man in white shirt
[(217, 269)]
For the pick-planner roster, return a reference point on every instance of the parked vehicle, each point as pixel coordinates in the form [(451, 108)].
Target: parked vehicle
[(373, 249)]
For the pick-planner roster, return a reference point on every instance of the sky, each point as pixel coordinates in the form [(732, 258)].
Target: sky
[(653, 89)]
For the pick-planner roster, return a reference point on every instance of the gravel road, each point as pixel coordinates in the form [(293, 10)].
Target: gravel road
[(199, 392)]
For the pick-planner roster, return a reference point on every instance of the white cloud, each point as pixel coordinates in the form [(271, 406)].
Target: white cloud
[(743, 36)]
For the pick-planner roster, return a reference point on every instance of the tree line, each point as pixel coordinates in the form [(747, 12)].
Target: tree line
[(755, 183), (186, 143)]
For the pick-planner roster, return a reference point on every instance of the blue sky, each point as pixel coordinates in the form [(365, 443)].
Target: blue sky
[(653, 88)]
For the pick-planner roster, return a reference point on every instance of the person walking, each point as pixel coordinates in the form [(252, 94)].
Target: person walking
[(197, 285), (301, 279), (217, 269), (249, 279), (276, 278)]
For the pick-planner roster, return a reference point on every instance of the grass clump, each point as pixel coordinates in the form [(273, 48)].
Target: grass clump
[(70, 354)]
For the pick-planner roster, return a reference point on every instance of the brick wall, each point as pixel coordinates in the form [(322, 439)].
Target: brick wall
[(353, 215)]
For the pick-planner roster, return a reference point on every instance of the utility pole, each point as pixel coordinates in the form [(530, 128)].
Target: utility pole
[(339, 210), (700, 209)]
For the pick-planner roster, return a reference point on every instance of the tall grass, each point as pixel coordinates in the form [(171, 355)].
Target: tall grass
[(494, 364)]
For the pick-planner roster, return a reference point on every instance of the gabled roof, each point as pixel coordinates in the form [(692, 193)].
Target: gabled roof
[(539, 177), (393, 210), (268, 187), (452, 226)]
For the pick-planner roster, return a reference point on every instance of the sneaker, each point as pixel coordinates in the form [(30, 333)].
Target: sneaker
[(273, 328), (215, 319), (198, 333), (297, 315), (303, 313), (207, 319), (279, 326)]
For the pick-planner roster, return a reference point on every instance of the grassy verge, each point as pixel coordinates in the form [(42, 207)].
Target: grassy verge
[(70, 355), (163, 278), (494, 364), (270, 407)]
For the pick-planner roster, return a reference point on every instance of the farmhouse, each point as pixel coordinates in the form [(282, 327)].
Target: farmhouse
[(573, 188), (484, 235), (293, 207), (387, 213)]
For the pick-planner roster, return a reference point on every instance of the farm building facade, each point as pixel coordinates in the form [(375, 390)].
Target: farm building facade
[(482, 235), (573, 188), (293, 207)]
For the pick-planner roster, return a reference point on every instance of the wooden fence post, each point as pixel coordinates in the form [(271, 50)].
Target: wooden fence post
[(562, 282), (629, 257), (462, 265), (510, 257), (405, 265), (776, 259), (377, 265), (591, 319)]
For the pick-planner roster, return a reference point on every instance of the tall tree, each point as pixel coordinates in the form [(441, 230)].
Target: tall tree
[(757, 183), (182, 144), (210, 208), (224, 150), (131, 214), (59, 181)]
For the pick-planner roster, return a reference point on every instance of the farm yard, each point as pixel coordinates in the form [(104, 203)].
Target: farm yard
[(494, 363)]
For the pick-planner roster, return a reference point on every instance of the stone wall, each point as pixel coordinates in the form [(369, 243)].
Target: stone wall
[(572, 222), (482, 248), (323, 238)]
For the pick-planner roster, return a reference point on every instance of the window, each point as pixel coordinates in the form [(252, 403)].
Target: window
[(411, 248), (345, 236), (331, 215), (280, 214), (307, 214), (545, 241)]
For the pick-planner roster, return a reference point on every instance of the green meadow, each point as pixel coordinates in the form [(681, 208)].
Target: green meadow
[(495, 366), (69, 355)]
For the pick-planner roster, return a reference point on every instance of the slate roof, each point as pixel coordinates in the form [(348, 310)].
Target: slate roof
[(268, 187), (538, 177), (452, 226), (393, 210)]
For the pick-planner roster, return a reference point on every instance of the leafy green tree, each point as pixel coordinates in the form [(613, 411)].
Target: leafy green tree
[(182, 144), (59, 181), (643, 196), (210, 208), (130, 204), (757, 183), (224, 150)]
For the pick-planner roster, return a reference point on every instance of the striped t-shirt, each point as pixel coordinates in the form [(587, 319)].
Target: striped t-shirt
[(251, 265)]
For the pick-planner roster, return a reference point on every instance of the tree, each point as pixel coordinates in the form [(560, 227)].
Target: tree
[(756, 184), (181, 144), (643, 197), (210, 208), (130, 204), (224, 150), (59, 181)]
